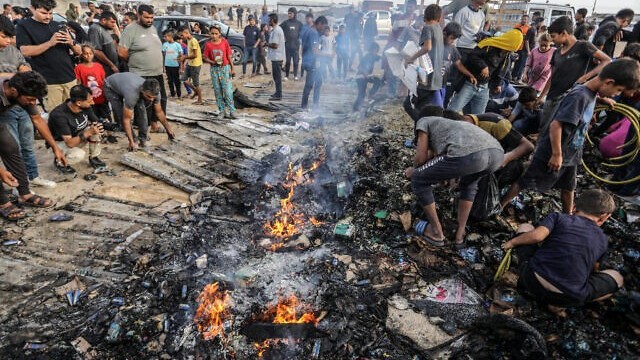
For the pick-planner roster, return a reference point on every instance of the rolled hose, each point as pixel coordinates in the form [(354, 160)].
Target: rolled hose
[(634, 117), (504, 266)]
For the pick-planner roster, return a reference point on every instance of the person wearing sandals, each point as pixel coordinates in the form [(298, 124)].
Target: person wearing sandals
[(16, 176), (446, 150), (217, 53), (191, 74)]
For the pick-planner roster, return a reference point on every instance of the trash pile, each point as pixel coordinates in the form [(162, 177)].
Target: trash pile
[(316, 256)]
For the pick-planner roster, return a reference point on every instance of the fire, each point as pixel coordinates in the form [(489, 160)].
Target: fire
[(212, 311), (285, 312), (289, 221), (315, 222)]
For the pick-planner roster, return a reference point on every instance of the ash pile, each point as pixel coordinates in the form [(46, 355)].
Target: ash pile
[(315, 256)]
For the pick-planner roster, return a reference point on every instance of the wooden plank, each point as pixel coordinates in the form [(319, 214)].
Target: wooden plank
[(192, 169), (159, 170)]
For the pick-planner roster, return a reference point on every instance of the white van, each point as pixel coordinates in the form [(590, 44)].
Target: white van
[(549, 12)]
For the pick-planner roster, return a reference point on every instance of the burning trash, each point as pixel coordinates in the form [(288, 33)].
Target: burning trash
[(290, 220), (285, 322), (212, 311)]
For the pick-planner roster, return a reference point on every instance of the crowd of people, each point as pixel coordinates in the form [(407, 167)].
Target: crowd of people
[(491, 101)]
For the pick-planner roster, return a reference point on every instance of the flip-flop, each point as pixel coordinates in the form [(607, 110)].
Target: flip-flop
[(12, 213), (198, 103), (159, 130), (432, 241), (37, 201), (461, 245)]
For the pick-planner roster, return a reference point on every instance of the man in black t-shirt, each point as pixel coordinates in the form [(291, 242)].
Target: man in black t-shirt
[(292, 29), (73, 124), (610, 30), (251, 33), (47, 45), (581, 25)]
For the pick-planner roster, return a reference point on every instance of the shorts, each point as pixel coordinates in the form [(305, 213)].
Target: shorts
[(599, 284), (193, 73), (538, 177)]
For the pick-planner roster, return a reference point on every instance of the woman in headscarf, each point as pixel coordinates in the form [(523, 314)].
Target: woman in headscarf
[(488, 63)]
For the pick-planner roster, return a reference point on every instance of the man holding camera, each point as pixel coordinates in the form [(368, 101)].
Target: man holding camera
[(48, 47), (73, 125)]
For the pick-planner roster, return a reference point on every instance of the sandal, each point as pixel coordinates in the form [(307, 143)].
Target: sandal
[(460, 245), (12, 212), (432, 241), (198, 103), (37, 201)]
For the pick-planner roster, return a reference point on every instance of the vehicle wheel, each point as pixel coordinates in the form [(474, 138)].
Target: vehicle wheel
[(237, 55)]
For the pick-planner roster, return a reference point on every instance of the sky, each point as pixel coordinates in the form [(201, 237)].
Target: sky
[(602, 6)]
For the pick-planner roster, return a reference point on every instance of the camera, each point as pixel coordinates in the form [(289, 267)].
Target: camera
[(62, 27), (110, 126)]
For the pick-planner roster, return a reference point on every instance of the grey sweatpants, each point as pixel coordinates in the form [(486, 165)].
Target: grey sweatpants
[(469, 168)]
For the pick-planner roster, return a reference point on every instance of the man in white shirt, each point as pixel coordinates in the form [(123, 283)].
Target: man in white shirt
[(472, 20), (276, 55)]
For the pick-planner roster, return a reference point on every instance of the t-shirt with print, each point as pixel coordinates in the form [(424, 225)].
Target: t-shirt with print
[(569, 67), (500, 128), (218, 53), (11, 59), (451, 56), (93, 78), (55, 64), (145, 49), (574, 112), (276, 36), (128, 86), (250, 35), (101, 39), (171, 53), (455, 138), (192, 46), (434, 33), (568, 255), (5, 103), (64, 122)]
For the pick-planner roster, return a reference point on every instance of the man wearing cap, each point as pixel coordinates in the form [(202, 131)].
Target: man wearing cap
[(291, 28)]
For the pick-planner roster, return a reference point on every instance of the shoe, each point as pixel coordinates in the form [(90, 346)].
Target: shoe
[(267, 73), (142, 144), (95, 162), (231, 116), (275, 98), (222, 115), (67, 170), (285, 79), (295, 78)]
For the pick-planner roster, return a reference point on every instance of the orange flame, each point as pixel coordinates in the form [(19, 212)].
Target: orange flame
[(212, 311), (285, 312), (288, 221)]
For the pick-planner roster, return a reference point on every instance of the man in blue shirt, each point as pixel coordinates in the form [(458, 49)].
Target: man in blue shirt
[(310, 52)]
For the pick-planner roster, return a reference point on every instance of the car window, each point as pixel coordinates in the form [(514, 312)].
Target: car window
[(557, 13), (384, 15)]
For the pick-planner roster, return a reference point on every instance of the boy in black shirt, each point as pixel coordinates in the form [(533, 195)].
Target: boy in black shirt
[(364, 77), (559, 259), (569, 66), (73, 124), (559, 150)]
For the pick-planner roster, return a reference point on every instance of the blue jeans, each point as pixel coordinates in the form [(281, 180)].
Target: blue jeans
[(20, 126), (476, 97), (312, 81), (253, 53)]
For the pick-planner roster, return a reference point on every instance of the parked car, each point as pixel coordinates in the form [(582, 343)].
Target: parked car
[(235, 39), (383, 20)]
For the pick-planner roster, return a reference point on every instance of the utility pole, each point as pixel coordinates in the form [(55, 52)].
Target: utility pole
[(593, 11)]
